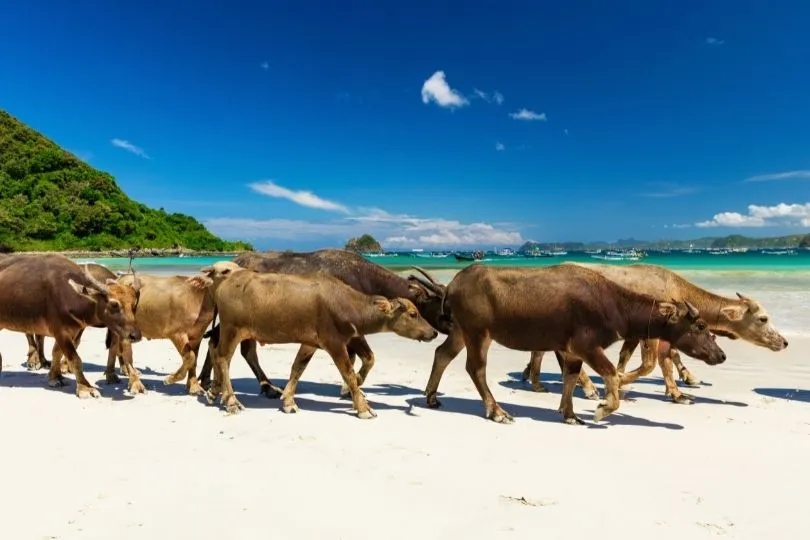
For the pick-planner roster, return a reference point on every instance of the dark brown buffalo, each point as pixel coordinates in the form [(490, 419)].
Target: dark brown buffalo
[(357, 272), (50, 295), (564, 308), (36, 344)]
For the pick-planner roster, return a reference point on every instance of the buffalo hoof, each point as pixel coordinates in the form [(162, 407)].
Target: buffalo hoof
[(290, 408), (111, 378), (233, 406), (136, 387), (85, 392), (433, 403), (593, 395), (683, 399), (171, 379), (500, 416), (573, 421), (539, 388), (367, 414), (194, 389), (601, 412), (269, 391), (691, 381), (59, 382)]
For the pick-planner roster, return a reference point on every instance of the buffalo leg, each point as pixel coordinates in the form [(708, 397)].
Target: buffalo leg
[(477, 348), (359, 346), (250, 352), (188, 369), (222, 355), (532, 373), (84, 388), (340, 356), (665, 361), (442, 357), (598, 361), (685, 375), (36, 353), (627, 350), (302, 358), (113, 351), (124, 353), (57, 355), (571, 368), (649, 352)]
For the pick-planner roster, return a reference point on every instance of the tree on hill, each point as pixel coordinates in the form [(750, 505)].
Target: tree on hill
[(805, 242), (51, 200), (363, 244)]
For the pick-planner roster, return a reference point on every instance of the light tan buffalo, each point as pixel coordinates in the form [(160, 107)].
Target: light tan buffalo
[(316, 310)]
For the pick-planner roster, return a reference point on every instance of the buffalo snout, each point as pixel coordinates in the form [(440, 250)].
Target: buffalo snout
[(430, 336), (135, 336)]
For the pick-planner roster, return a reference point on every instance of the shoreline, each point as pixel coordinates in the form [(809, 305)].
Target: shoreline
[(141, 253)]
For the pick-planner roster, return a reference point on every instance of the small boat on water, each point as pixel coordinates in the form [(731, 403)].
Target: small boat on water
[(778, 252), (475, 256), (620, 255)]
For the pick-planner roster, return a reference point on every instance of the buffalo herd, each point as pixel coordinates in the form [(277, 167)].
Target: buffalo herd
[(332, 299)]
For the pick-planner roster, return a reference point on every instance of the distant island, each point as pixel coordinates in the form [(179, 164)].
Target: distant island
[(52, 201), (732, 241), (363, 244)]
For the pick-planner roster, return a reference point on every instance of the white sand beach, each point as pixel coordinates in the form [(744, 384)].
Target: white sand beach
[(167, 465)]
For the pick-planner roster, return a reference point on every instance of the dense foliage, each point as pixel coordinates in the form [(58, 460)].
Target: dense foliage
[(51, 200), (364, 244), (805, 241)]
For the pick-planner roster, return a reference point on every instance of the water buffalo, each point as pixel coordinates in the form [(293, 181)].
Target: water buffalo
[(564, 308), (357, 272), (169, 308), (735, 318), (36, 344), (50, 295), (316, 310)]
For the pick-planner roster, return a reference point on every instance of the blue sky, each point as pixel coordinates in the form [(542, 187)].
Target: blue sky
[(297, 124)]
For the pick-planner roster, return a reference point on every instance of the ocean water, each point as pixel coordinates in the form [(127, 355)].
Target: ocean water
[(780, 282)]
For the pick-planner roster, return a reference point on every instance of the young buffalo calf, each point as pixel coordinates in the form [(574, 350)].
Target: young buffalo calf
[(316, 310), (562, 308)]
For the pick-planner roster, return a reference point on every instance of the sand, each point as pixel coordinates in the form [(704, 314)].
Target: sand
[(167, 465)]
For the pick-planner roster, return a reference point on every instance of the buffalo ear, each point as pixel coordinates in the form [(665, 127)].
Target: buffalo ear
[(667, 309), (383, 304), (734, 313), (200, 282)]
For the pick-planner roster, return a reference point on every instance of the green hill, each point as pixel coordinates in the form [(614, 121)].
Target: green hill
[(52, 201)]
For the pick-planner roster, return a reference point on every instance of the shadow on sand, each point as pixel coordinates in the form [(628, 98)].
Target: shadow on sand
[(474, 407), (789, 394)]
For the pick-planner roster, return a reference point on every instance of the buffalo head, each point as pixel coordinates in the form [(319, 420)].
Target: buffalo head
[(214, 275), (402, 318), (115, 303), (690, 333), (747, 319), (428, 296)]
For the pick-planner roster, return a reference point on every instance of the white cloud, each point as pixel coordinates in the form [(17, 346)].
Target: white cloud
[(500, 147), (526, 114), (786, 215), (303, 198), (496, 96), (396, 230), (673, 192), (714, 41), (790, 175), (265, 65), (436, 89), (129, 147)]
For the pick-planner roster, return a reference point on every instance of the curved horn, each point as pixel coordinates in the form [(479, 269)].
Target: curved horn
[(743, 298), (693, 311), (94, 282), (426, 284), (427, 275)]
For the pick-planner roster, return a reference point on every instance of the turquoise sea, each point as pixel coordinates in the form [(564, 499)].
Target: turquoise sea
[(780, 282)]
